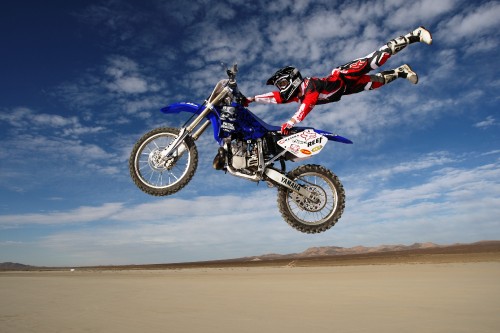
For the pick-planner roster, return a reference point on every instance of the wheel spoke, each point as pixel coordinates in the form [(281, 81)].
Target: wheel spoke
[(159, 175), (312, 216), (306, 212), (151, 172)]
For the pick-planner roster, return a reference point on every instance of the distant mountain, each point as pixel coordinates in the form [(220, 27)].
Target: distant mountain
[(358, 250), (13, 266), (310, 256), (334, 250)]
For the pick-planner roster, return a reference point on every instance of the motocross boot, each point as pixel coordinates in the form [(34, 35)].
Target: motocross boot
[(418, 35), (220, 159), (403, 71)]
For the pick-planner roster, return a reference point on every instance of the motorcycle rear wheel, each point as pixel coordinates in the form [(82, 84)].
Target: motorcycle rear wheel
[(157, 176), (305, 215)]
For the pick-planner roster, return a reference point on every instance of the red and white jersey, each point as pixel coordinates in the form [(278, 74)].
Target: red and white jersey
[(313, 91)]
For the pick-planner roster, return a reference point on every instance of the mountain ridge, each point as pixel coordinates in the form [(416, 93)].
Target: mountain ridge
[(323, 251), (312, 254)]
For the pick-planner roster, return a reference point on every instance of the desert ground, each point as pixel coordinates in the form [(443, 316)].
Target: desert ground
[(454, 292)]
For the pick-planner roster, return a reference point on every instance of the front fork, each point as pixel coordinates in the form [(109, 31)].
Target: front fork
[(185, 131)]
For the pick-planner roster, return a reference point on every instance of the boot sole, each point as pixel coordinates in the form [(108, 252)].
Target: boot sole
[(425, 36), (411, 75)]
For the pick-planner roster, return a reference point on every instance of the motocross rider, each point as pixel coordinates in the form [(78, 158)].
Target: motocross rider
[(347, 79)]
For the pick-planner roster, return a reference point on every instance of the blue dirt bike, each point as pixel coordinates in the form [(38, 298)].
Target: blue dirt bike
[(310, 197)]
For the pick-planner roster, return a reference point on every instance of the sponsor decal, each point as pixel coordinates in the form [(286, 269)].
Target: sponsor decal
[(308, 135), (358, 64), (293, 139), (228, 126), (294, 148), (299, 142), (317, 148), (290, 183), (305, 143), (305, 151), (313, 142)]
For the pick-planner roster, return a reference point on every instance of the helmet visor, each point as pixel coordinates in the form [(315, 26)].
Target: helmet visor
[(282, 83)]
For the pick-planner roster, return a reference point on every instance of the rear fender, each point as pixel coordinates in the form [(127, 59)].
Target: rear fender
[(333, 137)]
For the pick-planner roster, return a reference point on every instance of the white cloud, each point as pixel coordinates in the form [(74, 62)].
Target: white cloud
[(126, 78), (452, 205), (53, 120), (56, 147), (493, 152), (129, 85), (430, 160), (416, 13), (79, 215), (53, 160), (488, 122), (25, 119), (437, 208), (165, 209), (145, 104), (120, 66), (469, 26), (16, 117), (473, 30)]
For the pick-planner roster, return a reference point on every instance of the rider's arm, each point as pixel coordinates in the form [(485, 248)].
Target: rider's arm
[(306, 106), (272, 97)]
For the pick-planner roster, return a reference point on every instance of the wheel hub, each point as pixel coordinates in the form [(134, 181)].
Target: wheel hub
[(157, 163), (308, 204)]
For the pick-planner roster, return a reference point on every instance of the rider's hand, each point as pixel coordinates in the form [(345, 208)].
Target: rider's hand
[(285, 128)]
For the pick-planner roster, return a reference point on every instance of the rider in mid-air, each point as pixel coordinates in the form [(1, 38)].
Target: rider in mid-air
[(347, 79)]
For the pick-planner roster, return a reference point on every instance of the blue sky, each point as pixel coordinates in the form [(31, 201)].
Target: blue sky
[(81, 81)]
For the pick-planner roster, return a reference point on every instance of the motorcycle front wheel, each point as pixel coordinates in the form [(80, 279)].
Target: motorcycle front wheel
[(159, 176), (308, 216)]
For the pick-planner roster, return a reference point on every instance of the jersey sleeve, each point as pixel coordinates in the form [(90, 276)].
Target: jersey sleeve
[(306, 106), (270, 97), (274, 98)]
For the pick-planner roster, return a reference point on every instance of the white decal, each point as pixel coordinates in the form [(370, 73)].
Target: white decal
[(304, 144), (228, 126)]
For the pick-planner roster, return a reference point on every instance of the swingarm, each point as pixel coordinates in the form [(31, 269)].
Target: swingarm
[(283, 180)]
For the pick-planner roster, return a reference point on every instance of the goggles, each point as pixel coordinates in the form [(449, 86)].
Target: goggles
[(282, 83)]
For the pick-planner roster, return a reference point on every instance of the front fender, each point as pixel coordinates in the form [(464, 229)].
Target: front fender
[(196, 109), (183, 107)]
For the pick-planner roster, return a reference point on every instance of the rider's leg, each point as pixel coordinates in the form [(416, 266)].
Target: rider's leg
[(385, 77), (370, 82), (361, 66), (418, 35)]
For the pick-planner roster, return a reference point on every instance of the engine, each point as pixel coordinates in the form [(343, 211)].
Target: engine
[(244, 154)]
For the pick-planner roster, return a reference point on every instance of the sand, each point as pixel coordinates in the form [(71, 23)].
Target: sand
[(450, 297)]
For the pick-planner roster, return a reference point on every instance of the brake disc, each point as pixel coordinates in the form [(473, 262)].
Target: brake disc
[(158, 163), (308, 204)]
